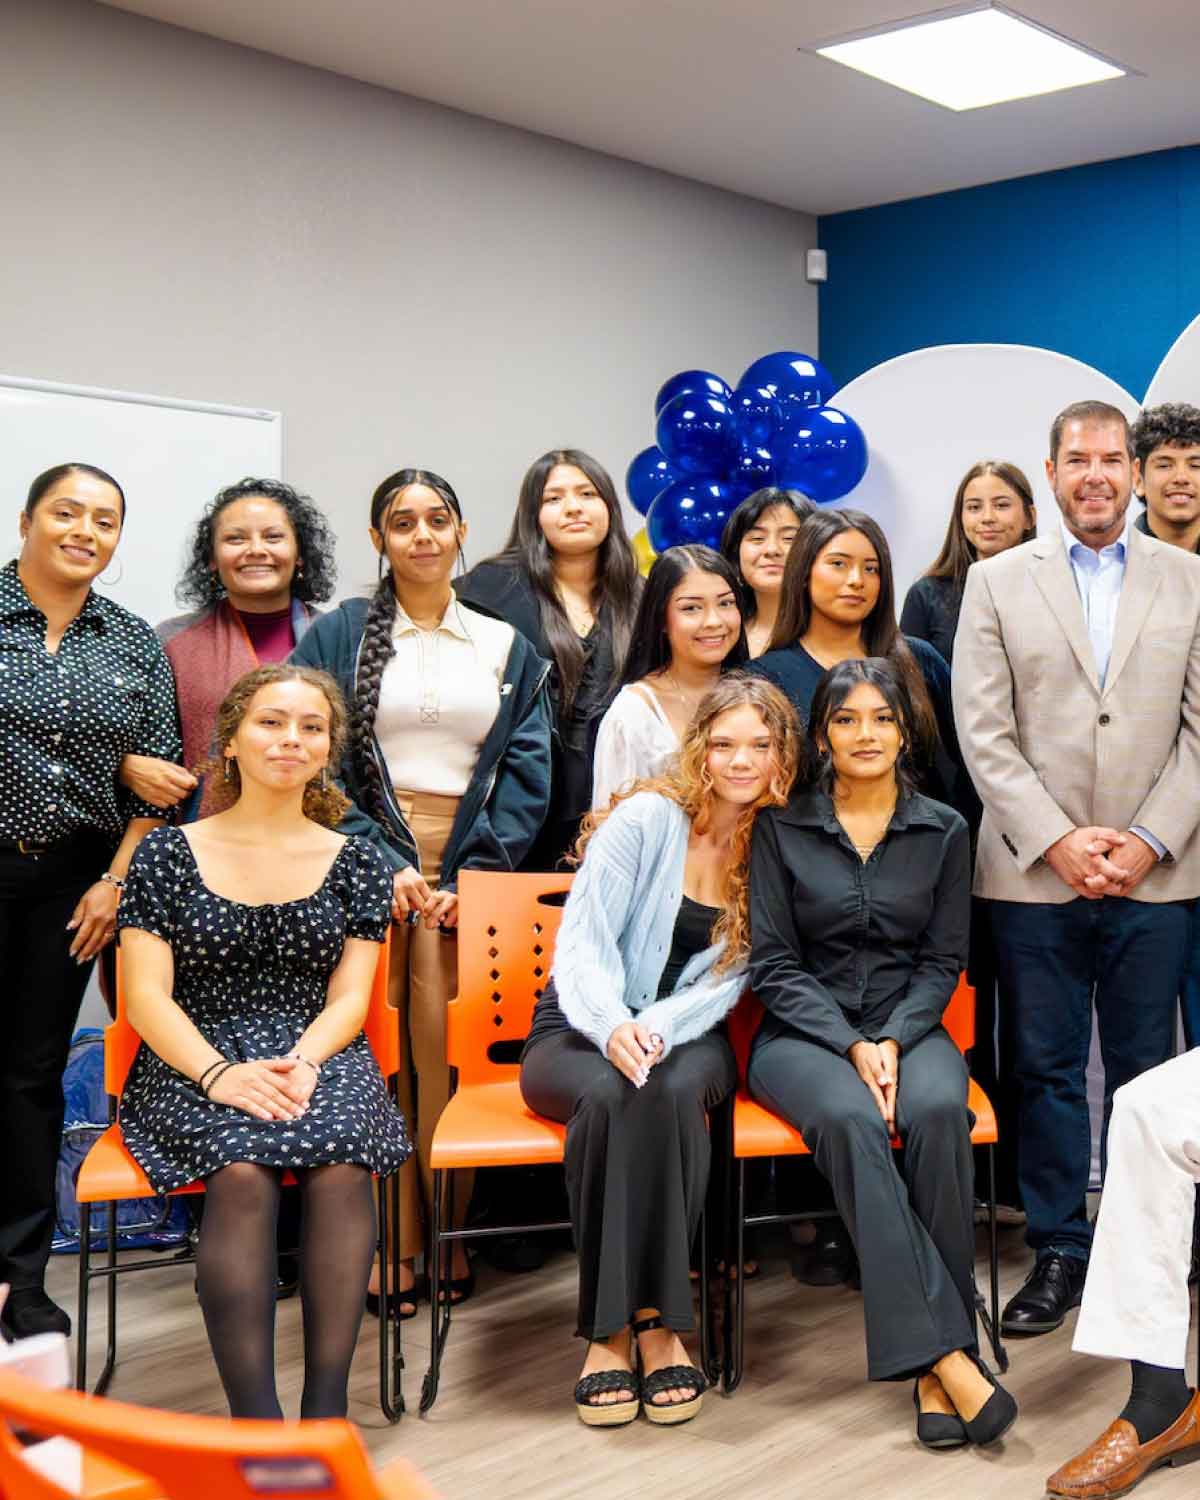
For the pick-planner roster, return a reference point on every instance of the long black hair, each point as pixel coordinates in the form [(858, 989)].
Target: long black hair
[(48, 478), (316, 565), (378, 645), (880, 634), (618, 583), (748, 514), (650, 650), (832, 691)]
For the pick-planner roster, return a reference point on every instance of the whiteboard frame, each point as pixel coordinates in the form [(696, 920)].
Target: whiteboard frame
[(139, 398)]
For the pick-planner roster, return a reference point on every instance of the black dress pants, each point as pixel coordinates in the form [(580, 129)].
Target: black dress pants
[(637, 1163), (42, 987), (914, 1232)]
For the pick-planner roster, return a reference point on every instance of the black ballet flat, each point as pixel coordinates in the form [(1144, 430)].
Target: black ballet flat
[(997, 1414), (937, 1429)]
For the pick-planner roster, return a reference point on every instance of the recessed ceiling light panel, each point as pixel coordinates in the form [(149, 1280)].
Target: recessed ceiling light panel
[(969, 58)]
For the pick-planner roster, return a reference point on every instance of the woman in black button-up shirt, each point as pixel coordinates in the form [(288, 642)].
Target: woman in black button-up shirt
[(859, 905), (82, 683)]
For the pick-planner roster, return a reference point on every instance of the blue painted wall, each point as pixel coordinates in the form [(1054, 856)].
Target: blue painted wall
[(1100, 262)]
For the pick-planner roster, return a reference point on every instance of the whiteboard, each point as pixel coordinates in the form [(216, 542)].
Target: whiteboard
[(170, 457)]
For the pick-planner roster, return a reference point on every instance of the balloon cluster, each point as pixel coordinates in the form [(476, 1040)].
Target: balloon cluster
[(716, 445)]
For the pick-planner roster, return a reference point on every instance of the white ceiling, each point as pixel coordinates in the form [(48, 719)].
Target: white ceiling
[(717, 90)]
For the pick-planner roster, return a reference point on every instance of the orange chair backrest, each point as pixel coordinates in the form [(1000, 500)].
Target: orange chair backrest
[(191, 1458), (121, 1042), (958, 1018), (506, 933)]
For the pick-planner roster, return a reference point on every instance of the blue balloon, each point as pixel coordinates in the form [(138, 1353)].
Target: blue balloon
[(690, 510), (753, 469), (794, 379), (698, 434), (691, 383), (824, 454), (759, 415), (646, 476)]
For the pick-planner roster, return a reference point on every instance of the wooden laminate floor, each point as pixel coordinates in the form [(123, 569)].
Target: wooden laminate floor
[(804, 1424)]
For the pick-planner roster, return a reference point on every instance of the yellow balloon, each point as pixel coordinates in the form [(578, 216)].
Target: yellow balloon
[(643, 551)]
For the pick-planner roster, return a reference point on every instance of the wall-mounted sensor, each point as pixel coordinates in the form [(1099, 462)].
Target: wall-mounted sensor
[(816, 265)]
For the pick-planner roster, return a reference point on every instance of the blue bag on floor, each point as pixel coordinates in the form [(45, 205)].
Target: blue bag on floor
[(142, 1223)]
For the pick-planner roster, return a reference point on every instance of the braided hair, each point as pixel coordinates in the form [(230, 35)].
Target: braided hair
[(378, 643)]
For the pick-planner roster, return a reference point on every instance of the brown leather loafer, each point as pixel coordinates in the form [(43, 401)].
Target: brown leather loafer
[(1116, 1461)]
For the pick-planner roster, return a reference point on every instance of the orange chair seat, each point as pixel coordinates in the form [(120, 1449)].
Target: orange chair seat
[(490, 1125), (757, 1132), (110, 1172)]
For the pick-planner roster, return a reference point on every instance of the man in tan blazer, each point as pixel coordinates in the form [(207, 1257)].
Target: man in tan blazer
[(1077, 701)]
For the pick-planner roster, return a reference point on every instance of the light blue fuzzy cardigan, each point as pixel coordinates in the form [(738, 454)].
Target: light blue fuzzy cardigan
[(617, 927)]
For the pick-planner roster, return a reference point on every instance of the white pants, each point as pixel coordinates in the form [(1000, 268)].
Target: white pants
[(1135, 1301)]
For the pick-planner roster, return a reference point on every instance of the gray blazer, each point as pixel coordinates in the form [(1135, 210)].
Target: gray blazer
[(1047, 748)]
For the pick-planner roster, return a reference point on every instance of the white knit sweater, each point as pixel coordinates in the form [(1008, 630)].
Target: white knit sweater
[(617, 928)]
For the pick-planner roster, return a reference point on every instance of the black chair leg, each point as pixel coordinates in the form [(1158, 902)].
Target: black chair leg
[(110, 1351), (736, 1292), (998, 1349), (391, 1358), (439, 1316), (85, 1284), (708, 1362)]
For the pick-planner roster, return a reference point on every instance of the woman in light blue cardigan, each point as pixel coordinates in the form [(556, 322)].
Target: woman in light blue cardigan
[(625, 1048)]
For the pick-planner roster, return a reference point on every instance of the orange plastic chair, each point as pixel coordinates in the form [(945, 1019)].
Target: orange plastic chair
[(109, 1174), (755, 1132), (164, 1456)]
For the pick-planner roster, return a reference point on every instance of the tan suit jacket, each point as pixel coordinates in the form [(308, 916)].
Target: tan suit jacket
[(1049, 749)]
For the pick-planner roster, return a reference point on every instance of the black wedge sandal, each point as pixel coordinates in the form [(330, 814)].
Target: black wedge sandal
[(669, 1378), (607, 1413)]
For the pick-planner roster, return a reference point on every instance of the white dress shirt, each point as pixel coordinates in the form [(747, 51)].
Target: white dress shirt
[(635, 740), (439, 697)]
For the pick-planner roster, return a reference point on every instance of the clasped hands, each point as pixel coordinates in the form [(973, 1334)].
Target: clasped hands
[(878, 1065), (411, 894), (269, 1088), (633, 1050), (1098, 862)]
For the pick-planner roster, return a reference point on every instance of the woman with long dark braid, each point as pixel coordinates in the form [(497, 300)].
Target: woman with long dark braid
[(448, 768)]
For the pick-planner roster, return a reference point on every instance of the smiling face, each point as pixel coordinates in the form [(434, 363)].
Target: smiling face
[(421, 537), (740, 757), (993, 515), (763, 552), (703, 620), (844, 582), (573, 515), (74, 529), (863, 736), (1092, 480), (282, 740), (1170, 484), (255, 553)]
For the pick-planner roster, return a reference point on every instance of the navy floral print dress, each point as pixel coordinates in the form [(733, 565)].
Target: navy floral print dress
[(251, 979)]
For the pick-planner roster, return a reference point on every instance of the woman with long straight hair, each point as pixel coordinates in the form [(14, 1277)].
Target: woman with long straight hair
[(447, 768), (625, 1046), (83, 682), (993, 510), (687, 632), (757, 539), (568, 580), (859, 911)]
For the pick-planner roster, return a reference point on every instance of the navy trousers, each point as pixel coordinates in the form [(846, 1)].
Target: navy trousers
[(1126, 958)]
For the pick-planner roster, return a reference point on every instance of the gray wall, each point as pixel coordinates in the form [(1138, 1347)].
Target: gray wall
[(407, 284)]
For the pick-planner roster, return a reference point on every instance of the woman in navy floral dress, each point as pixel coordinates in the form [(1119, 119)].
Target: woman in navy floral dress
[(249, 942)]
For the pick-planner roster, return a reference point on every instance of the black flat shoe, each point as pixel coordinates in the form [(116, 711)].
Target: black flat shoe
[(830, 1260), (1052, 1289), (937, 1429), (412, 1295), (995, 1416), (29, 1312)]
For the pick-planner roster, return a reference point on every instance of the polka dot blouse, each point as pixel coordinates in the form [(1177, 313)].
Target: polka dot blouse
[(67, 719), (251, 979)]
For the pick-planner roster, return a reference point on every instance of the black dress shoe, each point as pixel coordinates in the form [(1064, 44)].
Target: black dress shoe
[(29, 1312), (995, 1416), (830, 1259), (1053, 1288)]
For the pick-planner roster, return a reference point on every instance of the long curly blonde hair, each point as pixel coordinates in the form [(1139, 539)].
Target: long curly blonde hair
[(324, 804), (689, 785)]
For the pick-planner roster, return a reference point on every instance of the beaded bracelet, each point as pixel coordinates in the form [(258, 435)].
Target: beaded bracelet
[(300, 1057), (207, 1071), (220, 1073)]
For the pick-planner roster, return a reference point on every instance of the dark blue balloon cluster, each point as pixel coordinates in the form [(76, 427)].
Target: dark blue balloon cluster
[(716, 446)]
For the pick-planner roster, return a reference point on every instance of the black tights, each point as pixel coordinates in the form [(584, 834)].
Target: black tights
[(236, 1266)]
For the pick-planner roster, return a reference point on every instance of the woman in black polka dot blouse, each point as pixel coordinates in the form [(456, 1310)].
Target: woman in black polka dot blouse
[(250, 940), (83, 683)]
